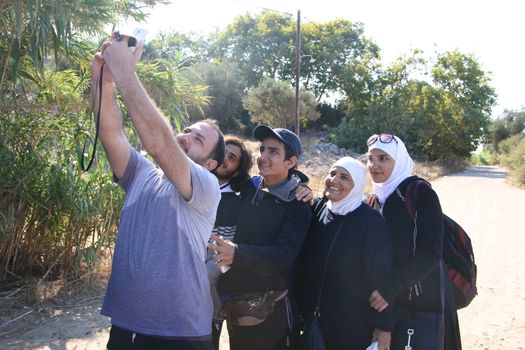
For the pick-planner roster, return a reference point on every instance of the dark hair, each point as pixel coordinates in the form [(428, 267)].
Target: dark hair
[(245, 163), (219, 151)]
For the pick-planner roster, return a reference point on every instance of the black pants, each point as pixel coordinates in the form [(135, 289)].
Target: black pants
[(122, 339), (273, 334), (216, 328)]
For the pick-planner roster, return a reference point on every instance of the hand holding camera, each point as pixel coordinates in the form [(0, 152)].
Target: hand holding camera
[(134, 38), (121, 58)]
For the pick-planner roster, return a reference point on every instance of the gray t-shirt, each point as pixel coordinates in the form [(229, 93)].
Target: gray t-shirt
[(158, 284)]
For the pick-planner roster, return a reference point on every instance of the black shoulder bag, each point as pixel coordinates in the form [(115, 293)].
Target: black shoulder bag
[(312, 337)]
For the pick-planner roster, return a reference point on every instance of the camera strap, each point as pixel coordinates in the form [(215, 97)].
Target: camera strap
[(97, 127)]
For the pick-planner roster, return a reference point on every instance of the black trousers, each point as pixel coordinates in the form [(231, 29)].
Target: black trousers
[(122, 339), (216, 328), (273, 334)]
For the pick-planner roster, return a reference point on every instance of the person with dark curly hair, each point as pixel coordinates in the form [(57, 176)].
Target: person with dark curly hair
[(232, 173)]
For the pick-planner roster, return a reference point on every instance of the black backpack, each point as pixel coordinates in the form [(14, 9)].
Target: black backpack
[(457, 251)]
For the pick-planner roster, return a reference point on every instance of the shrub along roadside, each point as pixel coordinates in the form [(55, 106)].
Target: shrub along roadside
[(54, 218), (482, 158), (512, 155)]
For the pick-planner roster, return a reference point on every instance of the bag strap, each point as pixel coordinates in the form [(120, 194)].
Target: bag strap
[(97, 127), (318, 302), (410, 198)]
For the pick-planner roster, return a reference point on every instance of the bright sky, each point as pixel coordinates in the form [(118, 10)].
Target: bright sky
[(491, 30)]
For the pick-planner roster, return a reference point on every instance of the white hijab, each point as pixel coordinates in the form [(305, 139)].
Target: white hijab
[(403, 167), (353, 199)]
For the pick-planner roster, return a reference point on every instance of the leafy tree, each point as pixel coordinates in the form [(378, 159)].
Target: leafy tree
[(261, 45), (330, 116), (185, 48), (369, 83), (348, 135), (438, 119), (225, 88), (341, 54), (30, 29), (264, 46), (468, 101), (384, 100), (511, 123), (272, 103)]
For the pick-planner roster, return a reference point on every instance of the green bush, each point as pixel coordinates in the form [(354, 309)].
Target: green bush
[(348, 135), (482, 158), (272, 103), (51, 212), (512, 156)]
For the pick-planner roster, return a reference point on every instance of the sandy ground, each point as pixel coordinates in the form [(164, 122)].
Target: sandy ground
[(493, 215), (490, 210)]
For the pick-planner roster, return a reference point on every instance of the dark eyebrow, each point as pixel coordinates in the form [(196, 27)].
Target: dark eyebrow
[(233, 155), (199, 135)]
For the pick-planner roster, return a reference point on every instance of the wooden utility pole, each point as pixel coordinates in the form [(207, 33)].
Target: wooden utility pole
[(297, 71)]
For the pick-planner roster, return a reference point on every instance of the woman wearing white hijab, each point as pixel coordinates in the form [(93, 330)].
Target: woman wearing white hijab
[(360, 258), (418, 283)]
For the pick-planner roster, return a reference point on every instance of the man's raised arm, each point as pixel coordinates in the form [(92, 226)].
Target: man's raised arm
[(111, 129), (153, 129)]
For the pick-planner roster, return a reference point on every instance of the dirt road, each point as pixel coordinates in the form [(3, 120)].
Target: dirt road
[(492, 212)]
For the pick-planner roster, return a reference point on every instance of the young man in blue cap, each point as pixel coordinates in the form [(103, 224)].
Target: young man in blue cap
[(271, 229)]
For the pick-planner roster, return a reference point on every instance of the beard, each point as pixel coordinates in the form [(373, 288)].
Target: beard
[(225, 175)]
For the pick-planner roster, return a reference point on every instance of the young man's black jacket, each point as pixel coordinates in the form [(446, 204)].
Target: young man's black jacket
[(270, 233)]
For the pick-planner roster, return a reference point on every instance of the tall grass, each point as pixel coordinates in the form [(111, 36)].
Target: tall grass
[(54, 218)]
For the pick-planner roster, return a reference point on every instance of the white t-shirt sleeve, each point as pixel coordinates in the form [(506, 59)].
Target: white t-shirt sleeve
[(137, 163), (206, 193)]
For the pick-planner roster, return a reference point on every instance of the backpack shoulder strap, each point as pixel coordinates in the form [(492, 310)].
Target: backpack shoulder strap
[(410, 196)]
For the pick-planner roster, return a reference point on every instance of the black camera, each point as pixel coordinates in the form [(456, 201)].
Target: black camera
[(134, 37)]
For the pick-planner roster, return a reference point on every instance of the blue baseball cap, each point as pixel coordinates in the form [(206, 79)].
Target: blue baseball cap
[(262, 132)]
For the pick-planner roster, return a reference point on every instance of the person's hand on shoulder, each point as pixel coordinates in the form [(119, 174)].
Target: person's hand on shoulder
[(305, 194)]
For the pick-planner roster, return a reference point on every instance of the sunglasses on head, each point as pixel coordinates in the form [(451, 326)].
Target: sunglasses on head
[(383, 138)]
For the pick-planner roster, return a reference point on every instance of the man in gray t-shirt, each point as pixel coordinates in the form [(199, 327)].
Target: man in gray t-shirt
[(158, 293)]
